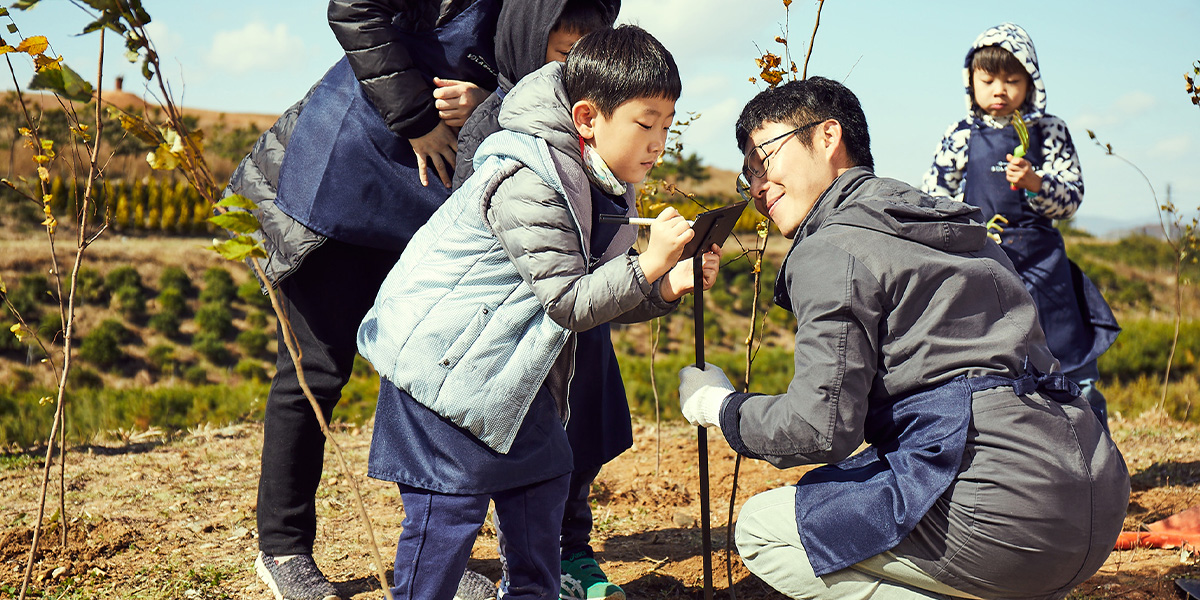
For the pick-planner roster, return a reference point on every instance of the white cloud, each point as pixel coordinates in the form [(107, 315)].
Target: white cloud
[(1172, 147), (1134, 103), (256, 47), (1125, 109)]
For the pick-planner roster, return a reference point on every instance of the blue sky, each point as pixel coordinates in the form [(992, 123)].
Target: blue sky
[(1113, 67)]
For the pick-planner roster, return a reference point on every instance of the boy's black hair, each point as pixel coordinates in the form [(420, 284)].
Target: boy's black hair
[(583, 17), (610, 67), (801, 102), (995, 60)]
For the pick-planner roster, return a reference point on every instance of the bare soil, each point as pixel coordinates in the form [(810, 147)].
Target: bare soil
[(174, 518)]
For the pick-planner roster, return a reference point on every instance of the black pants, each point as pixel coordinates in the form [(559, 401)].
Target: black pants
[(325, 299)]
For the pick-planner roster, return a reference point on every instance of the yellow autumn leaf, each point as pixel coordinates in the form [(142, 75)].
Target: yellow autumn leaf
[(51, 224), (24, 131), (46, 201), (41, 62), (19, 331), (162, 159), (41, 159), (44, 400), (3, 288), (173, 139), (5, 49), (43, 174), (34, 44)]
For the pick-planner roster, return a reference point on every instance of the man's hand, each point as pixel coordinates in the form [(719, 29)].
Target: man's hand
[(439, 149), (1020, 174), (702, 394), (456, 100)]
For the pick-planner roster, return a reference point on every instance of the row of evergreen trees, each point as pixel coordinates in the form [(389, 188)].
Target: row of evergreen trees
[(153, 205)]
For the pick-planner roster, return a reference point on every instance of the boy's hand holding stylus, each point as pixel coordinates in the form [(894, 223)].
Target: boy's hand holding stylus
[(669, 233)]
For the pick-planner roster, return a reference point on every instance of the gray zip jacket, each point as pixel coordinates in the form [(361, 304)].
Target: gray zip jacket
[(893, 291), (477, 313)]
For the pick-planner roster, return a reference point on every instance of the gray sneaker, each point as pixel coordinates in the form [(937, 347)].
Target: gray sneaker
[(475, 586), (296, 578)]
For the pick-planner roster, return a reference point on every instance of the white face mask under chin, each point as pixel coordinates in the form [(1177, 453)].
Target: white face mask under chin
[(598, 171)]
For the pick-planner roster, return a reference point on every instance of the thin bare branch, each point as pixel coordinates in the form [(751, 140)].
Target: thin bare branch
[(816, 25)]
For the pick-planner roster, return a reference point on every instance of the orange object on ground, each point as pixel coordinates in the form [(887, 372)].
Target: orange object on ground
[(1187, 521), (1176, 531), (1129, 540)]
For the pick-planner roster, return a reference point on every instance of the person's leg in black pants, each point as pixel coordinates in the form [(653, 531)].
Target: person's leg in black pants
[(325, 301)]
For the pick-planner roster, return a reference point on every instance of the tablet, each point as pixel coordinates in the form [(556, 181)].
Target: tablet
[(713, 227)]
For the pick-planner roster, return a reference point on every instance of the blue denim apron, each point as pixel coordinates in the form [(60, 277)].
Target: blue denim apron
[(1078, 323), (345, 174), (599, 427), (864, 505)]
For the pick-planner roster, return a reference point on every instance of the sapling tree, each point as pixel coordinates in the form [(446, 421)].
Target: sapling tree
[(177, 146), (1182, 234)]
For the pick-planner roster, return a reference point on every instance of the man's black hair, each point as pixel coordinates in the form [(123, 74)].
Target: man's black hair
[(584, 16), (610, 67), (801, 102)]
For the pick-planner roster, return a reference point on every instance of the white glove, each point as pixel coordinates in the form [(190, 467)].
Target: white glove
[(703, 393)]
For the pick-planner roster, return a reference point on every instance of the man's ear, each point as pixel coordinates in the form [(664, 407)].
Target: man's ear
[(830, 137), (584, 115)]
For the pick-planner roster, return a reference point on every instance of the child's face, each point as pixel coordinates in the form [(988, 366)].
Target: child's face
[(999, 94), (631, 139), (559, 44)]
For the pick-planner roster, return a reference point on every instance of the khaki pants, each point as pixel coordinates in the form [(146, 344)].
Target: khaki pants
[(771, 548)]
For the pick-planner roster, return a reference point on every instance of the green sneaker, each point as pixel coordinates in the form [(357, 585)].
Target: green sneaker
[(582, 579)]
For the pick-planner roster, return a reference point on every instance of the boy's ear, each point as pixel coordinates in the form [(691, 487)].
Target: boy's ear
[(584, 115)]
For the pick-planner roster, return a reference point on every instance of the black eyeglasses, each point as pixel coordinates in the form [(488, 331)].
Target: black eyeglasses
[(752, 167)]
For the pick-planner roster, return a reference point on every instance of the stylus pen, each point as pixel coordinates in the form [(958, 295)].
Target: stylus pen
[(623, 220)]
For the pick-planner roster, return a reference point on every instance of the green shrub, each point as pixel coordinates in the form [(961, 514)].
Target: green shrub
[(165, 323), (252, 295), (218, 286), (132, 303), (102, 347), (171, 301), (257, 319), (50, 328), (251, 369), (22, 378), (84, 379), (117, 329), (1143, 347), (28, 296), (253, 342), (90, 287), (175, 278), (162, 358), (1114, 288), (123, 276), (210, 346), (196, 375), (215, 318)]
